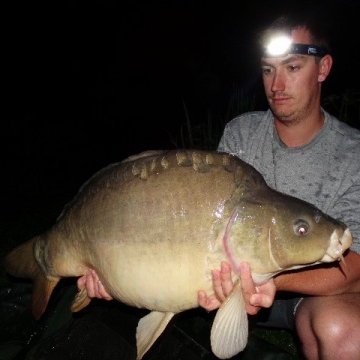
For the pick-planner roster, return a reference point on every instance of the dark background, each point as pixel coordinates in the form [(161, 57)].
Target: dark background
[(89, 83)]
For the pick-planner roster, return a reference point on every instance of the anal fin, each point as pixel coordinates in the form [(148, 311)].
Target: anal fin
[(42, 290), (229, 332), (150, 327)]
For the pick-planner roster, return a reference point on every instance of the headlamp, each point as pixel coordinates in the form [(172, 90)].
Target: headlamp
[(282, 46)]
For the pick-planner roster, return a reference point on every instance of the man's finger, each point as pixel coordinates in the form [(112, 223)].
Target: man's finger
[(102, 292), (90, 284), (207, 303), (247, 283), (81, 281), (226, 280), (261, 300), (217, 286)]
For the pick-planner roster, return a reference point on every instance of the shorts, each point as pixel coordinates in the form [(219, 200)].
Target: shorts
[(280, 315)]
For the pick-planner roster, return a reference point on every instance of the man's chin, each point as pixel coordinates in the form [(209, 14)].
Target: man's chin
[(280, 112), (284, 116)]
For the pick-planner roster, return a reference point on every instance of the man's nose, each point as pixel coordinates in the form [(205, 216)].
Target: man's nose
[(278, 83)]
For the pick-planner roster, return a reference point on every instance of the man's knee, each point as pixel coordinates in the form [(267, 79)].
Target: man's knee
[(338, 336), (329, 327)]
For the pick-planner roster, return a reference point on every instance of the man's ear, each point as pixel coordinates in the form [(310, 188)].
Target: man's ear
[(325, 65)]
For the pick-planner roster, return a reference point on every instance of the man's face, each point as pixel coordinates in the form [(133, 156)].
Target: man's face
[(292, 82)]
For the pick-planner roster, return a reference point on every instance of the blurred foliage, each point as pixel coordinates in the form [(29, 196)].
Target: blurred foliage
[(345, 106), (206, 133)]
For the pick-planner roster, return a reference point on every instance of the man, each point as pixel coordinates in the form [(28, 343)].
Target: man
[(305, 152)]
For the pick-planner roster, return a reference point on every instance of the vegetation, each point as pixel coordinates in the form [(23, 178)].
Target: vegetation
[(345, 106), (205, 134)]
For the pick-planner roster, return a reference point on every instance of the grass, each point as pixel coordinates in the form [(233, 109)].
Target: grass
[(281, 338)]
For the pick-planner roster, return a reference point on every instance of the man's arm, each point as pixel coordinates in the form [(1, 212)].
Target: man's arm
[(320, 280)]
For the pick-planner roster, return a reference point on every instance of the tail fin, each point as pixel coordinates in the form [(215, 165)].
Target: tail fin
[(21, 263)]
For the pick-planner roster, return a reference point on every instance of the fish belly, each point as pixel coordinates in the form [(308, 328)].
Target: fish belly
[(161, 279)]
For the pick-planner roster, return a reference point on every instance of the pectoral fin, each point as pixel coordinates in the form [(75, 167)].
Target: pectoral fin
[(229, 332), (150, 327), (80, 301)]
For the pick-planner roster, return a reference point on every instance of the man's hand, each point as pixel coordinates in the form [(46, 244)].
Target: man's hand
[(93, 285), (255, 297), (222, 285)]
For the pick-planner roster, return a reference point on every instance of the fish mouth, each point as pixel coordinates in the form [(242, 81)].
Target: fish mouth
[(337, 246)]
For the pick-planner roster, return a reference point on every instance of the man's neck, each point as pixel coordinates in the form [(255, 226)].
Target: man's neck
[(301, 132)]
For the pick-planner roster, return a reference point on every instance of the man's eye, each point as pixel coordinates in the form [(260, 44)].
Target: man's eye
[(293, 67), (266, 71)]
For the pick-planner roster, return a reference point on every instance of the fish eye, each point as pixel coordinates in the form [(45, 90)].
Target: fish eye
[(301, 227)]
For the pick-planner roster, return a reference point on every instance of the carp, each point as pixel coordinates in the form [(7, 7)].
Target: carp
[(154, 226)]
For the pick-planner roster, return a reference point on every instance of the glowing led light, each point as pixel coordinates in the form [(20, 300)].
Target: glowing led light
[(278, 46), (281, 45)]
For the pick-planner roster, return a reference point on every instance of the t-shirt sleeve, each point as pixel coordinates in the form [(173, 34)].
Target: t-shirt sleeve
[(347, 209)]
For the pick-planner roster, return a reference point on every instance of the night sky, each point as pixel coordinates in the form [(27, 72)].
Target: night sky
[(89, 83)]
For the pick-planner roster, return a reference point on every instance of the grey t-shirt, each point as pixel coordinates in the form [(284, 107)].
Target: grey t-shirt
[(324, 172)]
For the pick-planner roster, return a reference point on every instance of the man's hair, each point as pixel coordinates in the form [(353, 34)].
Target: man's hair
[(286, 23)]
